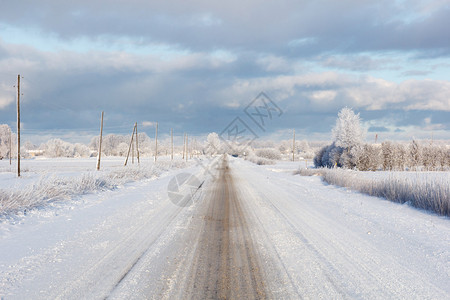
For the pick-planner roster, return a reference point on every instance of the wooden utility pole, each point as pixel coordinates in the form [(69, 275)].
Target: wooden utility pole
[(184, 144), (187, 147), (10, 146), (100, 143), (293, 147), (171, 143), (137, 145), (129, 148), (132, 152), (156, 141), (18, 125)]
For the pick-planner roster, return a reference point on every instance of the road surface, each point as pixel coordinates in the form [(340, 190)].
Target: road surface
[(251, 232)]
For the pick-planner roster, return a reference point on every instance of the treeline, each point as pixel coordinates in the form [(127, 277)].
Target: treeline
[(386, 156), (112, 145)]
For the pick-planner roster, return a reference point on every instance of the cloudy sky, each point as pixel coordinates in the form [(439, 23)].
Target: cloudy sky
[(196, 65)]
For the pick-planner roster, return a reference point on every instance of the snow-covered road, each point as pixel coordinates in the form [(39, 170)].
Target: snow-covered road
[(254, 232)]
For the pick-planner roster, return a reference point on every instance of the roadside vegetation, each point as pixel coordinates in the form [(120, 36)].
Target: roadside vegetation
[(424, 190), (341, 163), (50, 190)]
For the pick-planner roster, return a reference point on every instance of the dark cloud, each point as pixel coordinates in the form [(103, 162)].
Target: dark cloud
[(337, 27), (194, 66)]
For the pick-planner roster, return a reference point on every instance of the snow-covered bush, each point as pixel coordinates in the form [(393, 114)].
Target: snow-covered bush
[(213, 144), (319, 156), (259, 160), (269, 153)]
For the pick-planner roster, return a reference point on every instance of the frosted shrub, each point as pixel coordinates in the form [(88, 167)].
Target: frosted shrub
[(422, 191), (213, 144), (259, 160), (53, 189), (269, 153)]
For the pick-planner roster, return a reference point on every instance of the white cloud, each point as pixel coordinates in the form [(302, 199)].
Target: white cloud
[(324, 96), (338, 90), (148, 124), (7, 95)]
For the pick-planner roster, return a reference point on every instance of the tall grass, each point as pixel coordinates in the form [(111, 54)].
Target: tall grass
[(425, 191), (48, 190)]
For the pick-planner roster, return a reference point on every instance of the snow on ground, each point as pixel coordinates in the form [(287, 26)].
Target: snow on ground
[(34, 169), (337, 243), (48, 182), (316, 241), (83, 240)]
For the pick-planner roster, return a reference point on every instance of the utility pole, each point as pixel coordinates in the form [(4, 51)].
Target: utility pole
[(100, 143), (171, 142), (129, 148), (18, 125), (184, 144), (187, 147), (293, 147), (137, 145), (132, 152), (156, 142), (10, 145)]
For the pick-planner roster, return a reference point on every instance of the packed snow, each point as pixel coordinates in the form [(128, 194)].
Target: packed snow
[(316, 240)]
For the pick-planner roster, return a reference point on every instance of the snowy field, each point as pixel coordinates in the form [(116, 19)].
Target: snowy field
[(311, 240), (50, 182)]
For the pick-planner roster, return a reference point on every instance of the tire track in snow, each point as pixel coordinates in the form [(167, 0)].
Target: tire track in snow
[(225, 263)]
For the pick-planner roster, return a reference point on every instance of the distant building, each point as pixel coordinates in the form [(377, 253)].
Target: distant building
[(34, 153)]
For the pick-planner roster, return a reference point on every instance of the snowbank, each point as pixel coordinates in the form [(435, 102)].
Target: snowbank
[(419, 189), (48, 189)]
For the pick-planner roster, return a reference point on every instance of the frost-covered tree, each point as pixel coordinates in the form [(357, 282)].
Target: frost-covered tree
[(388, 155), (81, 150), (415, 154), (429, 157), (369, 158), (213, 143), (444, 157), (4, 140), (347, 135), (400, 157), (285, 146), (112, 144), (58, 148), (347, 132)]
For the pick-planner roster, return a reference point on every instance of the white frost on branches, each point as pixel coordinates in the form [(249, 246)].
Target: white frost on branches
[(213, 144), (347, 132)]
